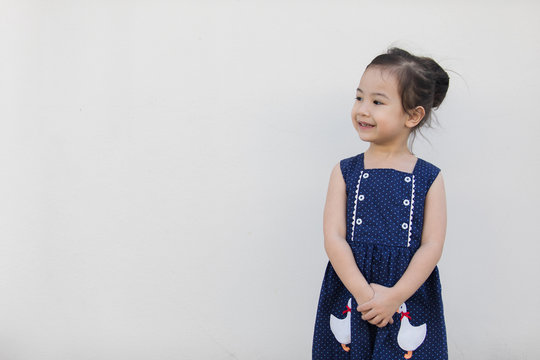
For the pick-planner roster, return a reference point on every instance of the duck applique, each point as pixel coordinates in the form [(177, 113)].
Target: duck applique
[(341, 328), (409, 337)]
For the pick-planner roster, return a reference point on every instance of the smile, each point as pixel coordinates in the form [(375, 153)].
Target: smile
[(365, 125)]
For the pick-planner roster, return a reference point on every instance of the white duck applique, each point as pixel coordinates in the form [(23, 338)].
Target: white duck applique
[(409, 337), (341, 328)]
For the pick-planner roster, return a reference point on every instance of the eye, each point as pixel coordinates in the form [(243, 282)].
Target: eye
[(358, 98), (377, 102)]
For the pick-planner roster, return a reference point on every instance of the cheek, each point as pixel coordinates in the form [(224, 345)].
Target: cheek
[(354, 110)]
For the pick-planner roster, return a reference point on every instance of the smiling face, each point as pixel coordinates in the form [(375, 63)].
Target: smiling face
[(377, 114)]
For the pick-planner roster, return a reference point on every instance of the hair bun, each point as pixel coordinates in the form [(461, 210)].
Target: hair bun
[(441, 79)]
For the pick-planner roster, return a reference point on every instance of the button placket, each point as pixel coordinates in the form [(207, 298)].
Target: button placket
[(360, 197), (408, 225)]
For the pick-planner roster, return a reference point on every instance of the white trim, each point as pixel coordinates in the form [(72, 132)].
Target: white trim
[(411, 213), (355, 201)]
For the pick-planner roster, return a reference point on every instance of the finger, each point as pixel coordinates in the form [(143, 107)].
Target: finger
[(389, 320), (369, 315), (375, 319), (381, 321), (364, 307)]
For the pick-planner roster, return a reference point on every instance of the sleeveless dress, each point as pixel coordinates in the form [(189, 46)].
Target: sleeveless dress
[(384, 219)]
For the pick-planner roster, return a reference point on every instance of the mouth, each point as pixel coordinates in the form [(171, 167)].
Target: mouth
[(365, 125)]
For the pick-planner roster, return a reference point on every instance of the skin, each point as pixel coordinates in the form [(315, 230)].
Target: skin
[(378, 103)]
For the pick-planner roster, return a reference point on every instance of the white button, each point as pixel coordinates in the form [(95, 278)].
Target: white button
[(407, 179), (406, 202), (358, 221), (366, 175), (404, 226), (360, 197)]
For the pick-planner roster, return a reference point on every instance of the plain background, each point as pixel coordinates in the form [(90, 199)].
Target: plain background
[(164, 167)]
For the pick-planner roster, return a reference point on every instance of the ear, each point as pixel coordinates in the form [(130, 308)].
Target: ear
[(415, 116)]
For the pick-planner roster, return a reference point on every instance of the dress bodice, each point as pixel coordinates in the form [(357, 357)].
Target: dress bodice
[(386, 206)]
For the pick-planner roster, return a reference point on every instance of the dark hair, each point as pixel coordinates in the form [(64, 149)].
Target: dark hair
[(421, 81)]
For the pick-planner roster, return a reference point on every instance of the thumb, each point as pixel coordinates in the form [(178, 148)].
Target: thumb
[(364, 307)]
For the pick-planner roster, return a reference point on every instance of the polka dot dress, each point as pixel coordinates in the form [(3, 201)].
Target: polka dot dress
[(384, 218)]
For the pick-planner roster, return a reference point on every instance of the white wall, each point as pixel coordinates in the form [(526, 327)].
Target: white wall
[(164, 167)]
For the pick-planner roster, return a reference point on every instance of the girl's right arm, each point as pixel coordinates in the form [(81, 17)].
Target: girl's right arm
[(335, 244)]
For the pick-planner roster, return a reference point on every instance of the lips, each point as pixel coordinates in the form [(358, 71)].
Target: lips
[(365, 124)]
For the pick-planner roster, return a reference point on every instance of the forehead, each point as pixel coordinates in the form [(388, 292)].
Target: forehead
[(376, 79)]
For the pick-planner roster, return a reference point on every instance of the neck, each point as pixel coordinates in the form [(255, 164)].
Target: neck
[(399, 158), (387, 152)]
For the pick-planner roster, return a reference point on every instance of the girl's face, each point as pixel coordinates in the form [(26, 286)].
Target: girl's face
[(377, 113)]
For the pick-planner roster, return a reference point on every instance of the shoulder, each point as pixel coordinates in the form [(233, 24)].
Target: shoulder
[(427, 171), (348, 164), (427, 167), (344, 170)]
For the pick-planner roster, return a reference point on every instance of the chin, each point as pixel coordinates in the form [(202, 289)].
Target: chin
[(364, 138)]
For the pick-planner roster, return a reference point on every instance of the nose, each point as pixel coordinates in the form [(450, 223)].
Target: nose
[(362, 108)]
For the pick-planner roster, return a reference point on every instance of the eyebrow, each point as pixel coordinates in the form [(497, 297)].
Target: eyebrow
[(380, 94)]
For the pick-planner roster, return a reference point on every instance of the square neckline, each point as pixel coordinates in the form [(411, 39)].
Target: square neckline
[(403, 172)]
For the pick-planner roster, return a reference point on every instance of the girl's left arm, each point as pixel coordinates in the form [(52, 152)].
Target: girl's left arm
[(428, 254), (386, 301)]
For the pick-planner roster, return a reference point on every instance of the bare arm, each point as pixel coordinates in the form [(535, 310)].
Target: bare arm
[(386, 301), (337, 249), (433, 233)]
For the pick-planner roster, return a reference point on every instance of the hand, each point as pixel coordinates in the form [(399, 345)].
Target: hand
[(380, 309), (366, 296)]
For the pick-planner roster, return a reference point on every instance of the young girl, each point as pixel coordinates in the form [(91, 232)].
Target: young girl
[(385, 224)]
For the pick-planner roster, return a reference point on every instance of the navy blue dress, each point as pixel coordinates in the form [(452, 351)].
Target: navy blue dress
[(384, 219)]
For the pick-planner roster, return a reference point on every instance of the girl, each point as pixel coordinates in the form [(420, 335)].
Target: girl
[(385, 223)]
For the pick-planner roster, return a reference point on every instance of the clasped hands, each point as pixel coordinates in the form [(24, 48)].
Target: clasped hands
[(378, 310)]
